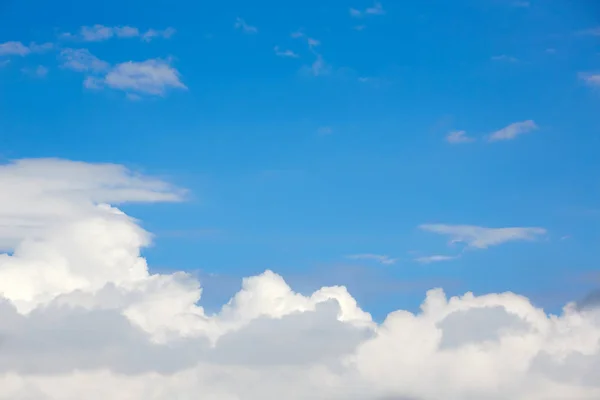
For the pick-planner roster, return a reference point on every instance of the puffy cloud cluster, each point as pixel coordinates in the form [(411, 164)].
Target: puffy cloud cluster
[(82, 317)]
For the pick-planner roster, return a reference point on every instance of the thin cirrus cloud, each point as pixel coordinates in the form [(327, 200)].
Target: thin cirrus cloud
[(456, 137), (285, 53), (83, 316), (434, 259), (512, 131), (19, 49), (241, 24), (481, 237), (505, 58), (379, 258), (38, 72), (100, 33), (81, 60), (376, 9), (590, 79), (151, 77)]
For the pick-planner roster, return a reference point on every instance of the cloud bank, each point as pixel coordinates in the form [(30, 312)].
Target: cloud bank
[(82, 317)]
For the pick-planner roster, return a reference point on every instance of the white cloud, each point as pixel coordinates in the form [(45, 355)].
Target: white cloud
[(14, 48), (244, 27), (285, 53), (100, 33), (513, 130), (434, 258), (319, 67), (152, 33), (590, 32), (39, 72), (376, 9), (325, 130), (382, 259), (81, 60), (505, 58), (152, 77), (83, 318), (456, 137), (592, 80), (481, 237), (355, 13), (19, 49)]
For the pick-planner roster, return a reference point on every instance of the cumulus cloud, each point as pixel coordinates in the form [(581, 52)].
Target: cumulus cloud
[(456, 137), (481, 237), (82, 316), (150, 77), (100, 33), (513, 130), (19, 49)]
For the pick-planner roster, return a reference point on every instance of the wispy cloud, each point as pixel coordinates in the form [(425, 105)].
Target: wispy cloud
[(244, 27), (381, 259), (285, 53), (376, 9), (481, 237), (81, 60), (457, 137), (19, 49), (325, 130), (319, 67), (590, 79), (100, 33), (513, 130), (505, 58), (39, 72), (590, 32), (521, 4), (434, 258)]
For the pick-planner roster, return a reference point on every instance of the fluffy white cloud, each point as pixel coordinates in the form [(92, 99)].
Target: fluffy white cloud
[(19, 49), (513, 130), (100, 33), (150, 77), (481, 237), (82, 317)]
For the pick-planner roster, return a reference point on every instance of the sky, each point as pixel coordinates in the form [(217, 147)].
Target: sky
[(187, 179)]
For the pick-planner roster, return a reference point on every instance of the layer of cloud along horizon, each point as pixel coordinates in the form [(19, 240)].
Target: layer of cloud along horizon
[(82, 316)]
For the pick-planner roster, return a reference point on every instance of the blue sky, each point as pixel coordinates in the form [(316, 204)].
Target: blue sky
[(313, 132)]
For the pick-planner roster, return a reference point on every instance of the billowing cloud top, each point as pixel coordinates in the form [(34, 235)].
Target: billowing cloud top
[(81, 317)]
